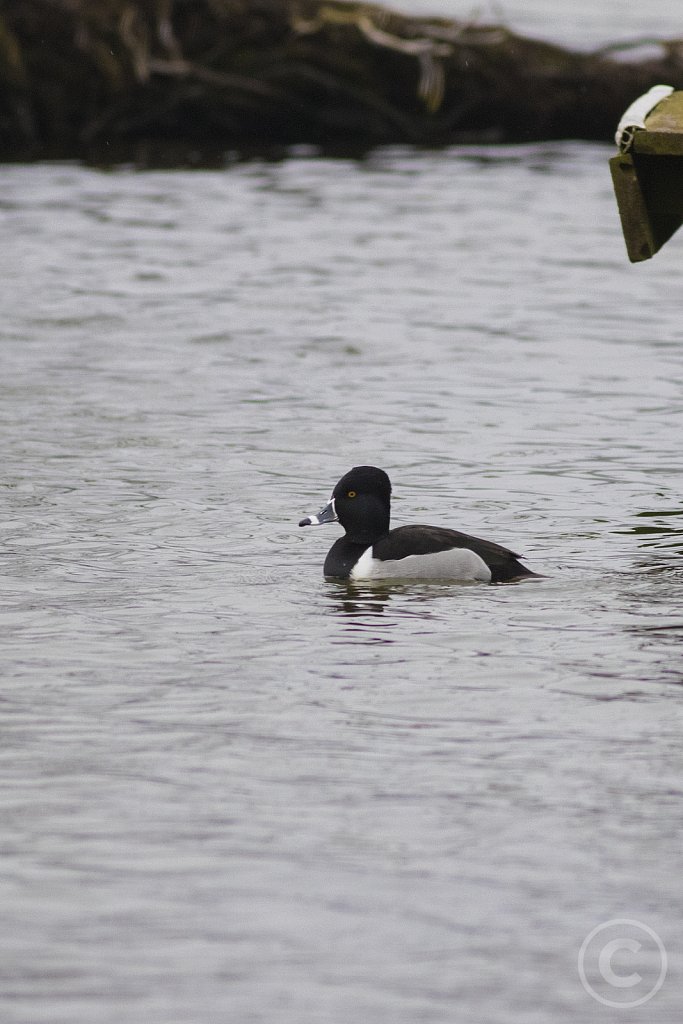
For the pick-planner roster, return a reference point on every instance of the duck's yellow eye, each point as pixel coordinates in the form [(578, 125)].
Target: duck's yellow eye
[(350, 494)]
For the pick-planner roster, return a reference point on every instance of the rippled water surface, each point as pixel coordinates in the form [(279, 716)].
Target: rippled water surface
[(231, 790)]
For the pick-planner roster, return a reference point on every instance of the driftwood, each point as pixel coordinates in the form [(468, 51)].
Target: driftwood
[(96, 78)]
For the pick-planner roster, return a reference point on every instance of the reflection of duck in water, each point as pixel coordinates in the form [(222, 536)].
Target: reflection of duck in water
[(361, 502)]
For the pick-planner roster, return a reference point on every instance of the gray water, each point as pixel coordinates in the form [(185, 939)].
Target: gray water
[(579, 23), (231, 790)]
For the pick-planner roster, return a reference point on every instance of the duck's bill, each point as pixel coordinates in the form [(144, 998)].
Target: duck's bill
[(325, 515)]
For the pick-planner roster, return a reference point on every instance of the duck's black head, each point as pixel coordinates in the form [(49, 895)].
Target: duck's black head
[(361, 502)]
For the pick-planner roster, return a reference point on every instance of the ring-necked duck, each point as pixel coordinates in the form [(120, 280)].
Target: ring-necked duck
[(361, 502)]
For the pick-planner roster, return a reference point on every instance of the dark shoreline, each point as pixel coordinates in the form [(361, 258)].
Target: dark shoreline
[(188, 81)]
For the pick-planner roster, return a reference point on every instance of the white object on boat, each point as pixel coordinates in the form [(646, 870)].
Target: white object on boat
[(634, 116)]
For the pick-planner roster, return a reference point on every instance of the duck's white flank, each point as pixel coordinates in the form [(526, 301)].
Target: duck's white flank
[(455, 564)]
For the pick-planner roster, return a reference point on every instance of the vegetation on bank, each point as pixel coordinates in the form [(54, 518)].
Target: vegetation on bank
[(93, 79)]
